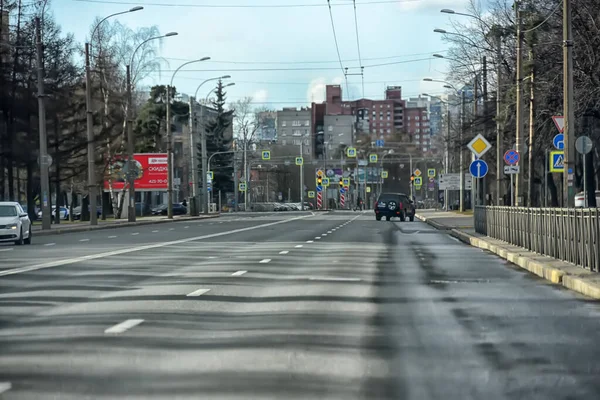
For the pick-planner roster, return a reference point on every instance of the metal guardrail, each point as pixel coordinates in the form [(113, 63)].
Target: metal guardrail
[(567, 234)]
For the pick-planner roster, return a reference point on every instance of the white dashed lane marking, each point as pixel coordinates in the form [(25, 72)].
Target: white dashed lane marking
[(155, 231), (124, 326), (50, 244), (239, 273), (284, 252), (309, 241), (266, 260), (84, 240), (5, 387), (298, 246), (135, 233), (198, 292), (318, 237)]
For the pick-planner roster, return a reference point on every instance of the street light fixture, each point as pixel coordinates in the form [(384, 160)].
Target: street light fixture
[(170, 139), (91, 156), (130, 137)]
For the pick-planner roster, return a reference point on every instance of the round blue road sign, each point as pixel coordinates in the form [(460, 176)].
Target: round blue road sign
[(478, 168), (559, 141), (511, 157)]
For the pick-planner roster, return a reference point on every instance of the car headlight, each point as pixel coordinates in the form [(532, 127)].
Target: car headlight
[(11, 226)]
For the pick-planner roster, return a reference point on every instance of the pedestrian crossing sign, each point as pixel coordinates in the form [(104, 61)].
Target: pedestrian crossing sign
[(418, 181), (299, 161), (384, 174), (557, 161), (311, 195), (242, 187), (346, 182), (325, 181), (266, 155)]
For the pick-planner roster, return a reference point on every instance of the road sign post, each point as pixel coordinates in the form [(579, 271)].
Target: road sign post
[(584, 145)]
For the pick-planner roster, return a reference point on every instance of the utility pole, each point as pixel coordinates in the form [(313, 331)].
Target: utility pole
[(568, 107), (205, 192), (447, 155), (499, 132), (461, 170), (131, 166), (531, 131), (91, 156), (193, 157), (236, 189), (44, 164), (520, 120), (301, 178), (246, 180), (169, 157), (485, 125)]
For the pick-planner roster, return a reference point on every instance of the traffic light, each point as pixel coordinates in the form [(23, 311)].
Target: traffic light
[(341, 183), (319, 181), (412, 178)]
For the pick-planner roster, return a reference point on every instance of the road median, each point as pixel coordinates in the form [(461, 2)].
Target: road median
[(85, 227), (558, 272)]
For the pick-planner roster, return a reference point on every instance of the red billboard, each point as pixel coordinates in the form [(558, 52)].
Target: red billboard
[(151, 172)]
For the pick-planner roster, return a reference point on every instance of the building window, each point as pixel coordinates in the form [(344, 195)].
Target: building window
[(307, 150), (284, 142), (418, 136), (418, 124), (418, 131), (297, 132), (417, 117), (307, 142), (388, 106), (297, 142), (296, 123), (388, 118), (408, 118), (389, 131), (283, 123), (307, 123), (306, 131)]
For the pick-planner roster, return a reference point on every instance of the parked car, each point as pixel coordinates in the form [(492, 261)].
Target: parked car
[(77, 212), (580, 199), (15, 225), (178, 209), (394, 205), (64, 213)]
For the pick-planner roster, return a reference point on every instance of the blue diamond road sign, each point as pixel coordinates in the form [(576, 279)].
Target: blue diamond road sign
[(559, 141), (342, 190), (319, 188), (478, 168)]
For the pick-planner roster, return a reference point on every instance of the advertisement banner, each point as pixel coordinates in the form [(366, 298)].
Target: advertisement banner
[(150, 172), (373, 175)]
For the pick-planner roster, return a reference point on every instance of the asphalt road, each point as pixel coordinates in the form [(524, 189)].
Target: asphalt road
[(286, 306)]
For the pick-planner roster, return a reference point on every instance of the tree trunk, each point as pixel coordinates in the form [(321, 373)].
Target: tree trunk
[(57, 189), (552, 190), (30, 194)]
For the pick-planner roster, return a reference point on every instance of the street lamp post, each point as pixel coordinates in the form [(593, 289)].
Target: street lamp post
[(170, 140), (206, 199), (91, 156), (193, 149), (131, 168)]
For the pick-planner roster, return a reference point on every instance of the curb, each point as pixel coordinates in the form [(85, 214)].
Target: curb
[(60, 231), (558, 272)]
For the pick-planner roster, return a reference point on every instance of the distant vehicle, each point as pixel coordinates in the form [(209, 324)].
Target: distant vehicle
[(394, 205), (77, 212), (15, 225), (580, 199)]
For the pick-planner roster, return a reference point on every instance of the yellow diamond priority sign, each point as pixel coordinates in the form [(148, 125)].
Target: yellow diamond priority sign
[(479, 145)]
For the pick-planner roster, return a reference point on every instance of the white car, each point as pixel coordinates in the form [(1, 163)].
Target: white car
[(15, 225), (580, 199)]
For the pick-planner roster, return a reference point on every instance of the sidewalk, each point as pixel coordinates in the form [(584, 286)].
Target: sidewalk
[(70, 227), (558, 272)]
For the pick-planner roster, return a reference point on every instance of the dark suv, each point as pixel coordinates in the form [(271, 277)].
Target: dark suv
[(390, 205)]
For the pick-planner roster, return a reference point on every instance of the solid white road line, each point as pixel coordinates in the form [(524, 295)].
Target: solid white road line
[(5, 387), (266, 260), (284, 252), (74, 260), (298, 246), (84, 240), (198, 292), (124, 326), (326, 278), (239, 273)]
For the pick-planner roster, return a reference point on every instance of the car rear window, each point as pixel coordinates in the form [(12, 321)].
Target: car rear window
[(389, 197)]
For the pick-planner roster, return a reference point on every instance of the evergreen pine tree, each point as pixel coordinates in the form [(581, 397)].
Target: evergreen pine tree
[(216, 141)]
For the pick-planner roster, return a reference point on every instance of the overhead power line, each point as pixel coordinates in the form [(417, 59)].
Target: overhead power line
[(299, 5), (337, 47), (362, 76)]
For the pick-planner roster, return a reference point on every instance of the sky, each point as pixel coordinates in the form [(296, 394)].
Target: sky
[(282, 53)]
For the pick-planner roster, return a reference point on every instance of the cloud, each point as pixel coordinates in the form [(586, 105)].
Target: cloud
[(316, 90), (260, 96)]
